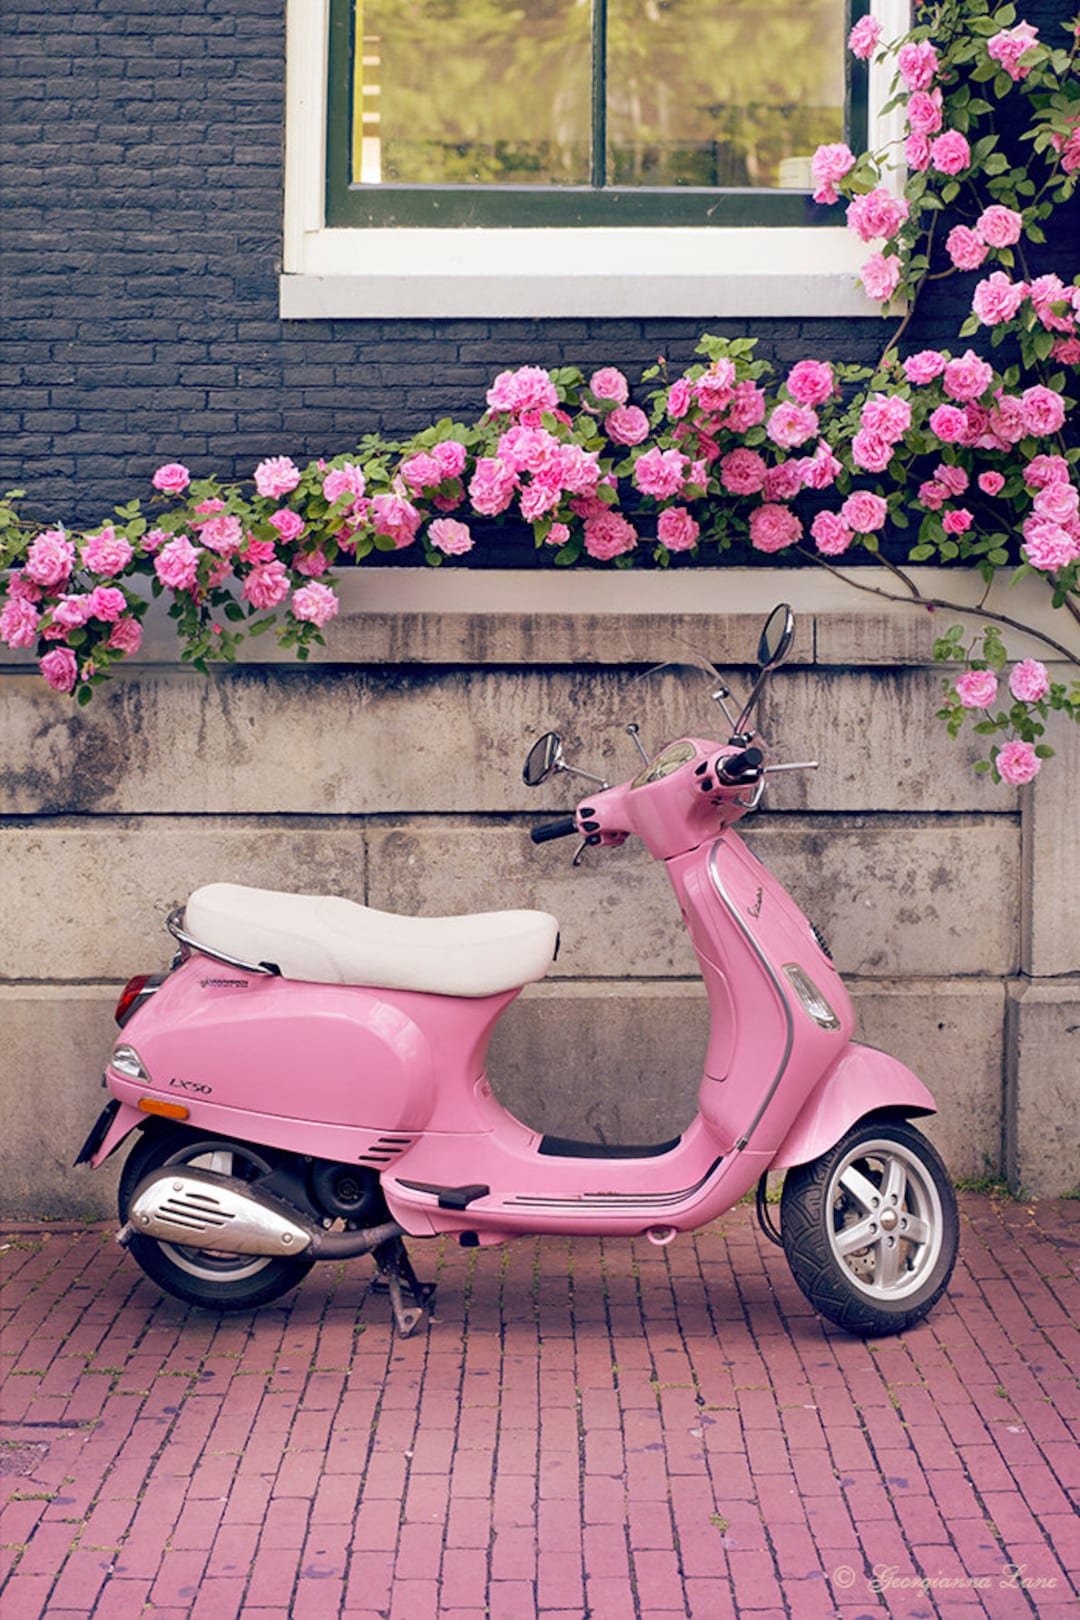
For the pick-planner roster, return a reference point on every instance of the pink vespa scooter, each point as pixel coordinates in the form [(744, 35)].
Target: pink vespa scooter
[(308, 1080)]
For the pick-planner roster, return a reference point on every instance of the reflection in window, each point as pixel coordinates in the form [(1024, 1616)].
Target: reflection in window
[(612, 93)]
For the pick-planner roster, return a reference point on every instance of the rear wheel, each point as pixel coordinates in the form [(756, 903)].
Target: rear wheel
[(220, 1282), (871, 1229)]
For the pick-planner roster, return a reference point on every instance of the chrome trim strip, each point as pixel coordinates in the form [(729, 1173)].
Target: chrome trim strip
[(173, 924), (726, 900), (622, 1203)]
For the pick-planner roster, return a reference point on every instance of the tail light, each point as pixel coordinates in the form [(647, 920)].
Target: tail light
[(134, 993)]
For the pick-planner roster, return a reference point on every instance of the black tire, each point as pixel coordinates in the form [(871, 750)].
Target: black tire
[(218, 1282), (885, 1184)]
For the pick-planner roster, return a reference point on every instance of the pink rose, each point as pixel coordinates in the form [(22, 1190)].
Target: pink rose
[(492, 486), (820, 470), (950, 153), (783, 482), (609, 383), (1018, 763), (557, 535), (864, 511), (791, 425), (1009, 47), (876, 214), (864, 38), (965, 248), (924, 116), (1057, 503), (450, 537), (450, 454), (346, 480), (918, 64), (1048, 546), (1029, 681), (171, 479), (880, 276), (887, 414), (60, 669), (421, 472), (107, 603), (773, 527), (933, 495), (676, 529), (266, 586), (958, 521), (1007, 420), (315, 603), (811, 382), (917, 153), (289, 524), (627, 424), (1044, 410), (1043, 470), (395, 517), (660, 472), (71, 612), (967, 378), (50, 558), (977, 688), (872, 451), (1052, 302), (107, 553), (177, 564), (949, 423), (954, 479), (997, 298), (276, 476), (679, 399), (18, 622), (608, 534), (311, 563), (991, 483), (828, 166), (742, 472), (223, 532), (126, 637), (747, 407), (831, 534), (999, 226), (925, 366)]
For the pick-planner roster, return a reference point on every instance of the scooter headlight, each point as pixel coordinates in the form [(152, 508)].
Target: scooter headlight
[(126, 1061), (811, 997)]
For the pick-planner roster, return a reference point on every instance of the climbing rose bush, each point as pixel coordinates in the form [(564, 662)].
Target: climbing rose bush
[(961, 458)]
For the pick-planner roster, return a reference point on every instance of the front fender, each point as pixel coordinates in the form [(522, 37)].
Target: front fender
[(118, 1120), (861, 1081)]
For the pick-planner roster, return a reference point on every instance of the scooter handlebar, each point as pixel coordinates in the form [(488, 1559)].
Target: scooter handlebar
[(742, 768), (554, 829)]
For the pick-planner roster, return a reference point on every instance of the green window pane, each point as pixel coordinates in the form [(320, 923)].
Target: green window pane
[(471, 92), (722, 95)]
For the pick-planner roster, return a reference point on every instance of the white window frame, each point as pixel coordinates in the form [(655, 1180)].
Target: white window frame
[(617, 272)]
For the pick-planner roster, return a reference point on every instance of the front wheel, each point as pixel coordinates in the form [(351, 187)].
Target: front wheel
[(871, 1229), (207, 1277)]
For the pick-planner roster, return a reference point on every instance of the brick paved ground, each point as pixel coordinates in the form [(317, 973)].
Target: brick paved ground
[(588, 1431)]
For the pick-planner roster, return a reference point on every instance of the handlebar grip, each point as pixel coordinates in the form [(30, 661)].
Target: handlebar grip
[(554, 829), (744, 767)]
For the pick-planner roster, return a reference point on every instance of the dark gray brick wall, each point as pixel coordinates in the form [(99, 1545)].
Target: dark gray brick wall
[(141, 158)]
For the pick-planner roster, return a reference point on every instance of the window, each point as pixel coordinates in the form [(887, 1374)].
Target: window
[(585, 157), (562, 112)]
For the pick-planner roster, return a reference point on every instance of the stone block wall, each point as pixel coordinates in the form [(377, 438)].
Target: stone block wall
[(396, 781)]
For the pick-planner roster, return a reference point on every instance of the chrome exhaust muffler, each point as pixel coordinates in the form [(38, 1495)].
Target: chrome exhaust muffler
[(204, 1210)]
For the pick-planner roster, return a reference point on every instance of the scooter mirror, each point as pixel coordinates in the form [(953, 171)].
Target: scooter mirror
[(776, 637), (543, 760)]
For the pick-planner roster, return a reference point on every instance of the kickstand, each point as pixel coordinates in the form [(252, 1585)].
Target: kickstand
[(395, 1276)]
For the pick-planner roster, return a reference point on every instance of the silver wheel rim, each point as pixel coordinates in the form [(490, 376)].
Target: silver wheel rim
[(210, 1265), (885, 1223)]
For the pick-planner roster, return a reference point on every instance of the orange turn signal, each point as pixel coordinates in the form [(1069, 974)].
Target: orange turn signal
[(167, 1110)]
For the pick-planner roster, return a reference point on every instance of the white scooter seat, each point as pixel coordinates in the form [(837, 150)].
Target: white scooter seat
[(327, 940)]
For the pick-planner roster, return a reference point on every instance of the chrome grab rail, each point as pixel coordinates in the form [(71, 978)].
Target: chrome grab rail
[(173, 923)]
